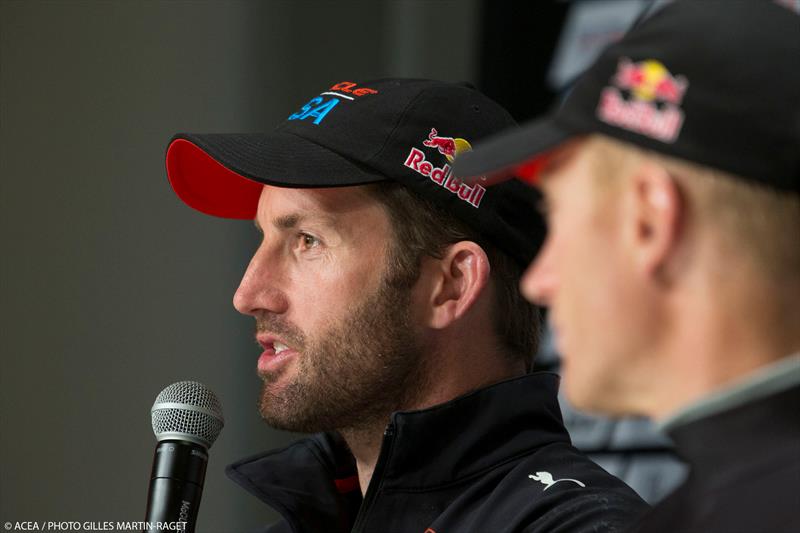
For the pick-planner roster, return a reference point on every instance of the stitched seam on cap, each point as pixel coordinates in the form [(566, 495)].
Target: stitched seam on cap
[(397, 124)]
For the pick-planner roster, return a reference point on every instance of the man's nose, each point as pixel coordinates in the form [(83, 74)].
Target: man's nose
[(259, 289), (540, 279)]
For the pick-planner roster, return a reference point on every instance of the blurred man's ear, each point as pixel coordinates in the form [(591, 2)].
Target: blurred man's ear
[(459, 278), (655, 214)]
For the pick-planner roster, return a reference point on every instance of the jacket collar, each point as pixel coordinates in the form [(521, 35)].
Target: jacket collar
[(471, 433), (768, 380), (765, 430), (312, 479)]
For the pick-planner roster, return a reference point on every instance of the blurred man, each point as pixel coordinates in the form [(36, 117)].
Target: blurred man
[(672, 265), (385, 298)]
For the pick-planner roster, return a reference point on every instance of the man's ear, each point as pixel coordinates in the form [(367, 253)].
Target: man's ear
[(460, 278), (656, 215)]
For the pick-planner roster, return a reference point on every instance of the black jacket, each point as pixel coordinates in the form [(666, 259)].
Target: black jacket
[(495, 460), (745, 471)]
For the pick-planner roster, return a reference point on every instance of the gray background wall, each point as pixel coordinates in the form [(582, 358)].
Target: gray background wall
[(110, 288)]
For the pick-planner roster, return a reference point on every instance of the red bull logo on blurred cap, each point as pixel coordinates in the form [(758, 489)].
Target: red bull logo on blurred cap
[(653, 106), (449, 147), (650, 80)]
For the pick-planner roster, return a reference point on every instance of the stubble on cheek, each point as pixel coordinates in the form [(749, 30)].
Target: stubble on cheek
[(354, 373)]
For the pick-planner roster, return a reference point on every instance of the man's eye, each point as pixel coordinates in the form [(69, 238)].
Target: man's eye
[(308, 241)]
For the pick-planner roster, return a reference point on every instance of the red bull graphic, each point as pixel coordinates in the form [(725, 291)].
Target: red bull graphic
[(447, 146), (443, 176), (650, 80), (649, 84)]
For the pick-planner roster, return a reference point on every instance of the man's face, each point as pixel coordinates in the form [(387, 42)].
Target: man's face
[(581, 275), (338, 339)]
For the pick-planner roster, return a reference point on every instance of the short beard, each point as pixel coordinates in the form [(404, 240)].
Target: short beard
[(355, 374)]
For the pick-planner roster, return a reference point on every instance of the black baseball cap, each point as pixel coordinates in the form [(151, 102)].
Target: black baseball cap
[(353, 133), (712, 82)]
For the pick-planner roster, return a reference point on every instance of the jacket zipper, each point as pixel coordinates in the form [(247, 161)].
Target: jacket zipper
[(375, 481)]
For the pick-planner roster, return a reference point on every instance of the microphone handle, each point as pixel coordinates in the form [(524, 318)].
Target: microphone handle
[(176, 484)]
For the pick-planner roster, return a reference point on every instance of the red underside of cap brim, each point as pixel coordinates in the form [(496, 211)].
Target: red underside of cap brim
[(206, 185), (530, 170)]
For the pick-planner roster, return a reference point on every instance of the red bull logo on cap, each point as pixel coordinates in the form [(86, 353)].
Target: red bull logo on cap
[(449, 147), (650, 80), (649, 84)]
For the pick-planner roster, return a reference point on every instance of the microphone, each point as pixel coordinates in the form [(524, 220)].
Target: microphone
[(187, 418)]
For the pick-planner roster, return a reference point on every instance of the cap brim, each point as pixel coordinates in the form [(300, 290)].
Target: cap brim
[(223, 174), (514, 153)]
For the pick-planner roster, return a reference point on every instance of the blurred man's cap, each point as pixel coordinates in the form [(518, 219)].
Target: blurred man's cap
[(403, 130), (712, 82)]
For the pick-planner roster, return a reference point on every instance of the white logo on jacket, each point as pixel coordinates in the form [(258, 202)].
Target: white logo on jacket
[(546, 478)]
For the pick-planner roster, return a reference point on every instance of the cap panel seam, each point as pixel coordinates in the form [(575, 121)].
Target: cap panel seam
[(400, 120)]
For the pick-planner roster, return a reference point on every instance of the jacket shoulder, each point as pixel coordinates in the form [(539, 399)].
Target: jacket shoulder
[(567, 491), (770, 503), (557, 489)]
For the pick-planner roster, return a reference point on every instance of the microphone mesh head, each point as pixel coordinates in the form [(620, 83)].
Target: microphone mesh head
[(187, 410)]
